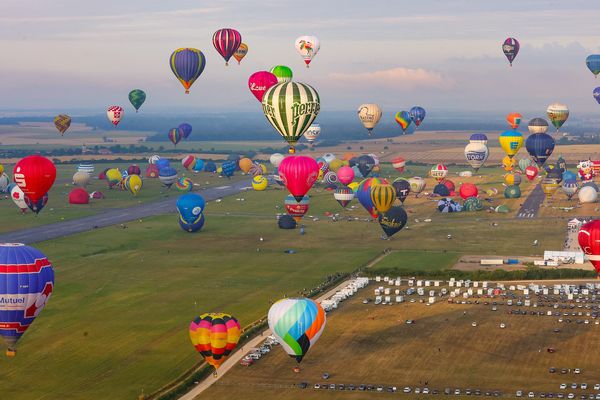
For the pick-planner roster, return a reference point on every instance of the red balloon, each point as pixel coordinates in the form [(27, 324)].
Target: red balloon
[(449, 184), (531, 172), (398, 163), (226, 42), (79, 196), (468, 190), (345, 175), (261, 81), (589, 240), (35, 175), (298, 174)]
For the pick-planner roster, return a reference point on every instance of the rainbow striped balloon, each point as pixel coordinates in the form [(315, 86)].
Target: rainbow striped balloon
[(175, 135), (403, 119), (214, 336)]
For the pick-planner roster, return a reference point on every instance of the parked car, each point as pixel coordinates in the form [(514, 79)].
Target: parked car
[(406, 389)]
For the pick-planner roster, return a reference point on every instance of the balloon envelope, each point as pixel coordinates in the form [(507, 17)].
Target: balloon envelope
[(393, 220), (369, 115), (187, 65), (308, 47), (259, 82), (215, 336), (510, 47), (35, 176), (298, 173), (226, 42), (137, 97)]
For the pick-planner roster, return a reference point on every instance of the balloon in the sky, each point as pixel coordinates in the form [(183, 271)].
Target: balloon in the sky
[(402, 188), (312, 133), (137, 97), (476, 154), (383, 197), (439, 172), (62, 122), (393, 220), (175, 135), (417, 184), (241, 52), (18, 197), (510, 47), (26, 283), (35, 176), (343, 195), (186, 130), (417, 115), (261, 81), (226, 42), (557, 114), (291, 108), (369, 115), (298, 173), (284, 74), (398, 164), (511, 142), (115, 114), (167, 176), (514, 119), (540, 146), (403, 119), (308, 47), (190, 206), (297, 209), (593, 63), (297, 324), (478, 138), (187, 64), (596, 94), (589, 241), (215, 336), (363, 193), (538, 125), (345, 175), (531, 172)]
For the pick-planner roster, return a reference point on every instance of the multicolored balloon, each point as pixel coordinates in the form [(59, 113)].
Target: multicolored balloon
[(403, 119), (260, 183), (308, 47), (226, 42), (398, 164), (261, 81), (383, 197), (62, 122), (215, 336), (531, 172), (241, 52), (439, 172), (175, 135), (137, 97), (115, 114), (557, 114), (297, 324), (167, 176), (511, 142), (369, 115), (187, 65), (417, 115), (184, 185), (596, 94), (297, 209), (363, 193), (343, 195), (510, 47), (283, 73), (190, 206), (514, 119)]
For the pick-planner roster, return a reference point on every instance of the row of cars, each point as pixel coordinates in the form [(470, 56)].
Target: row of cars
[(559, 395), (256, 354)]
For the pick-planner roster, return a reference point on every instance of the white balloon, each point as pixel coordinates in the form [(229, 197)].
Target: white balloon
[(587, 194)]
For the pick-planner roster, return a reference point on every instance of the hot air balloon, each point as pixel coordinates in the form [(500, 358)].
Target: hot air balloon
[(167, 176), (417, 115), (512, 192), (510, 47), (134, 184), (291, 108), (549, 186), (511, 142), (184, 185), (476, 154), (540, 146), (312, 133), (524, 163), (297, 324), (365, 165), (570, 187), (345, 175), (472, 204), (297, 209), (134, 169), (531, 172), (439, 172), (113, 177), (398, 164), (79, 196), (4, 181), (538, 125), (187, 64), (26, 283), (35, 176), (228, 168), (514, 119), (596, 94), (186, 130), (343, 195), (189, 162), (478, 138), (81, 178), (508, 163), (369, 115), (284, 74), (441, 190), (214, 336), (383, 197), (226, 42), (137, 97), (245, 164), (17, 196), (175, 135), (308, 47), (363, 193), (589, 241), (276, 159), (593, 63), (448, 206), (468, 190), (115, 114), (241, 52), (190, 206), (393, 220), (259, 183), (513, 179), (298, 173), (403, 119), (402, 188), (557, 114), (259, 82), (417, 185), (62, 122), (587, 194)]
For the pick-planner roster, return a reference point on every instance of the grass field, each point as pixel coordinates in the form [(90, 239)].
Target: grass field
[(368, 344)]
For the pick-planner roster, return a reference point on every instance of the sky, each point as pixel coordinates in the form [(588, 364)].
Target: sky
[(73, 55)]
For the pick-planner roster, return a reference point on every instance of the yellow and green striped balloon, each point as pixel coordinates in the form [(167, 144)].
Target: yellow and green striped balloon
[(383, 197), (291, 107)]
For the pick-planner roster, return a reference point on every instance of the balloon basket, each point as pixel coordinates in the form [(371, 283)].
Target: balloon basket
[(11, 352)]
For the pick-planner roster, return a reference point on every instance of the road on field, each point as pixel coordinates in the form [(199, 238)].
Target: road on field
[(532, 203), (113, 216)]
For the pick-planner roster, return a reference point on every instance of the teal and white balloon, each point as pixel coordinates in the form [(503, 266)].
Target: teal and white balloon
[(291, 108)]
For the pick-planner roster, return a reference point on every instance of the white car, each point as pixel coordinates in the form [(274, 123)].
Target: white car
[(577, 371), (502, 326), (570, 396), (563, 386), (531, 395), (583, 386), (519, 393), (406, 389), (597, 386)]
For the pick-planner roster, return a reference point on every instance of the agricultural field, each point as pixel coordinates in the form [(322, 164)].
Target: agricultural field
[(372, 344)]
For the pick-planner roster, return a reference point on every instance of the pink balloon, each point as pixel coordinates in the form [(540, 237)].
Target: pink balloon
[(345, 175), (298, 174), (259, 82)]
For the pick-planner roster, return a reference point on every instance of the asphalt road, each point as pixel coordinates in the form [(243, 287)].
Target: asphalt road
[(532, 203), (114, 216)]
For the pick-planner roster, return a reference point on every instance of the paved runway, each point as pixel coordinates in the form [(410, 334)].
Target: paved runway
[(114, 216), (532, 203)]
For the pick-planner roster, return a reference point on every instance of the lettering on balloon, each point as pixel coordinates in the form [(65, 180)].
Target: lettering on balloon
[(254, 87), (301, 109), (476, 156)]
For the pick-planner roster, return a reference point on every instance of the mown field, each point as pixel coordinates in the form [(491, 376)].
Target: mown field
[(368, 344)]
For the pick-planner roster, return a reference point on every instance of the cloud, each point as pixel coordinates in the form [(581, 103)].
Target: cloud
[(399, 77)]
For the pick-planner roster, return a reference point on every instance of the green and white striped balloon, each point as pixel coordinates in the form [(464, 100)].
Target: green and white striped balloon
[(291, 107)]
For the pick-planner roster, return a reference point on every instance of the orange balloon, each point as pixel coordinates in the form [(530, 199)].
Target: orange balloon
[(514, 119), (245, 164)]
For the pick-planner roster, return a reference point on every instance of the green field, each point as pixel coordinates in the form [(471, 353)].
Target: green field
[(117, 321)]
